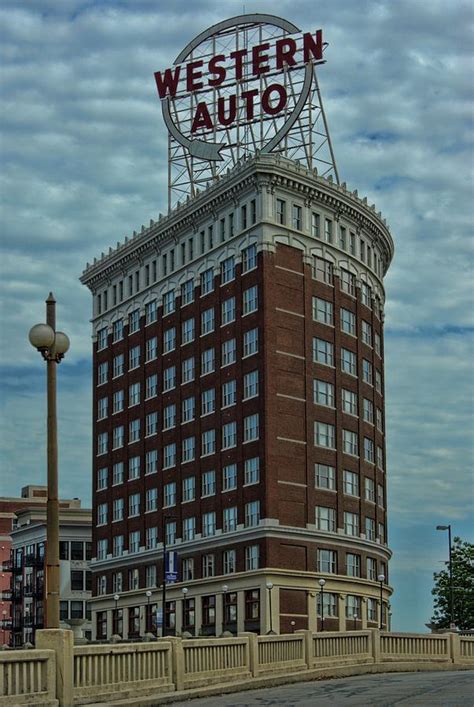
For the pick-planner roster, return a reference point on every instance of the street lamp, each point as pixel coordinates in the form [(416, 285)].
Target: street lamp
[(451, 602), (148, 626), (52, 345), (269, 586), (185, 591), (116, 599), (225, 589), (355, 617), (381, 579), (322, 582)]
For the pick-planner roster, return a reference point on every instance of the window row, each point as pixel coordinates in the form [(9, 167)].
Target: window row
[(230, 435), (188, 366), (134, 283), (323, 353), (323, 394), (323, 312), (325, 478), (327, 562), (326, 519), (325, 436)]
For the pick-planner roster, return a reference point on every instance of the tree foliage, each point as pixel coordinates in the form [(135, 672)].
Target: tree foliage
[(462, 554)]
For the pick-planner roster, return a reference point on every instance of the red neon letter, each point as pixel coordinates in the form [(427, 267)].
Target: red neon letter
[(202, 119), (285, 51), (221, 110), (191, 75), (238, 55), (266, 105), (167, 82), (219, 71), (248, 97), (258, 58), (313, 48)]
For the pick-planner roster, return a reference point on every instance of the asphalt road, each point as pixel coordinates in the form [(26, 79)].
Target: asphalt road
[(449, 689)]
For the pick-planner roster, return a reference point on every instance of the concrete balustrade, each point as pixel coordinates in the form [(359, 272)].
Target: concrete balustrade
[(65, 675), (28, 678)]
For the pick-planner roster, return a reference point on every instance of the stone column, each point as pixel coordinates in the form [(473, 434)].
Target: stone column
[(197, 614), (240, 612), (342, 612), (61, 641)]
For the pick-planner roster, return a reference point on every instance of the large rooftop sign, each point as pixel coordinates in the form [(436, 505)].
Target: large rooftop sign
[(244, 85)]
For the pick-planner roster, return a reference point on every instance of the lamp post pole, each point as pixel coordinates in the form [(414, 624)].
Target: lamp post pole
[(52, 345), (185, 592), (225, 589), (451, 601), (269, 586), (148, 614), (163, 588), (116, 598), (322, 582), (381, 579)]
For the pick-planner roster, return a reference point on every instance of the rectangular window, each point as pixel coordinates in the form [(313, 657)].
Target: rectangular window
[(370, 529), (229, 561), (208, 483), (151, 349), (377, 344), (348, 282), (253, 211), (151, 424), (380, 457), (151, 386), (249, 258), (229, 352), (208, 401), (328, 230), (134, 394), (381, 532), (351, 523), (325, 518), (188, 568), (169, 340), (189, 488), (150, 576), (366, 333), (170, 532), (353, 607), (348, 321), (324, 477), (243, 217), (207, 321), (187, 292), (369, 450), (151, 461), (117, 330), (342, 237), (169, 417), (281, 211), (327, 561), (323, 393), (349, 402), (151, 539), (102, 373), (168, 303), (367, 371), (352, 565), (102, 339), (251, 428), (102, 476), (169, 456), (117, 545), (102, 549), (348, 362), (134, 321), (229, 435), (229, 477), (228, 311), (117, 474), (187, 370), (369, 489), (250, 385), (350, 443), (251, 471), (366, 294), (102, 513), (208, 571), (229, 519), (324, 435), (189, 528), (118, 365), (323, 270), (250, 300), (252, 557), (188, 449), (322, 311), (134, 358), (207, 361), (252, 514), (169, 378), (134, 504), (133, 468), (229, 393), (169, 495), (151, 503), (208, 442), (207, 281), (151, 312), (102, 443), (118, 401), (315, 225), (102, 408), (368, 411), (133, 431), (297, 217), (208, 524), (323, 352), (351, 483), (371, 568), (378, 382), (250, 342), (227, 270), (188, 409)]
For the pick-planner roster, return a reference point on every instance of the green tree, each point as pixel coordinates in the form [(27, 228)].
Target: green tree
[(462, 556)]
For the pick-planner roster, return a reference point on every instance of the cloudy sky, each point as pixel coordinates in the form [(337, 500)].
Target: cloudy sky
[(84, 164)]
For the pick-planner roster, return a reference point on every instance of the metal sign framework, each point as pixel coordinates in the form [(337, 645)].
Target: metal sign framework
[(298, 132)]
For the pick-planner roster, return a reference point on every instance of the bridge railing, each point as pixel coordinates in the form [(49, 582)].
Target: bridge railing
[(64, 675)]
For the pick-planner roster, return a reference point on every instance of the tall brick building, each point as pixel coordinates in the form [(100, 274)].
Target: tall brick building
[(239, 408)]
